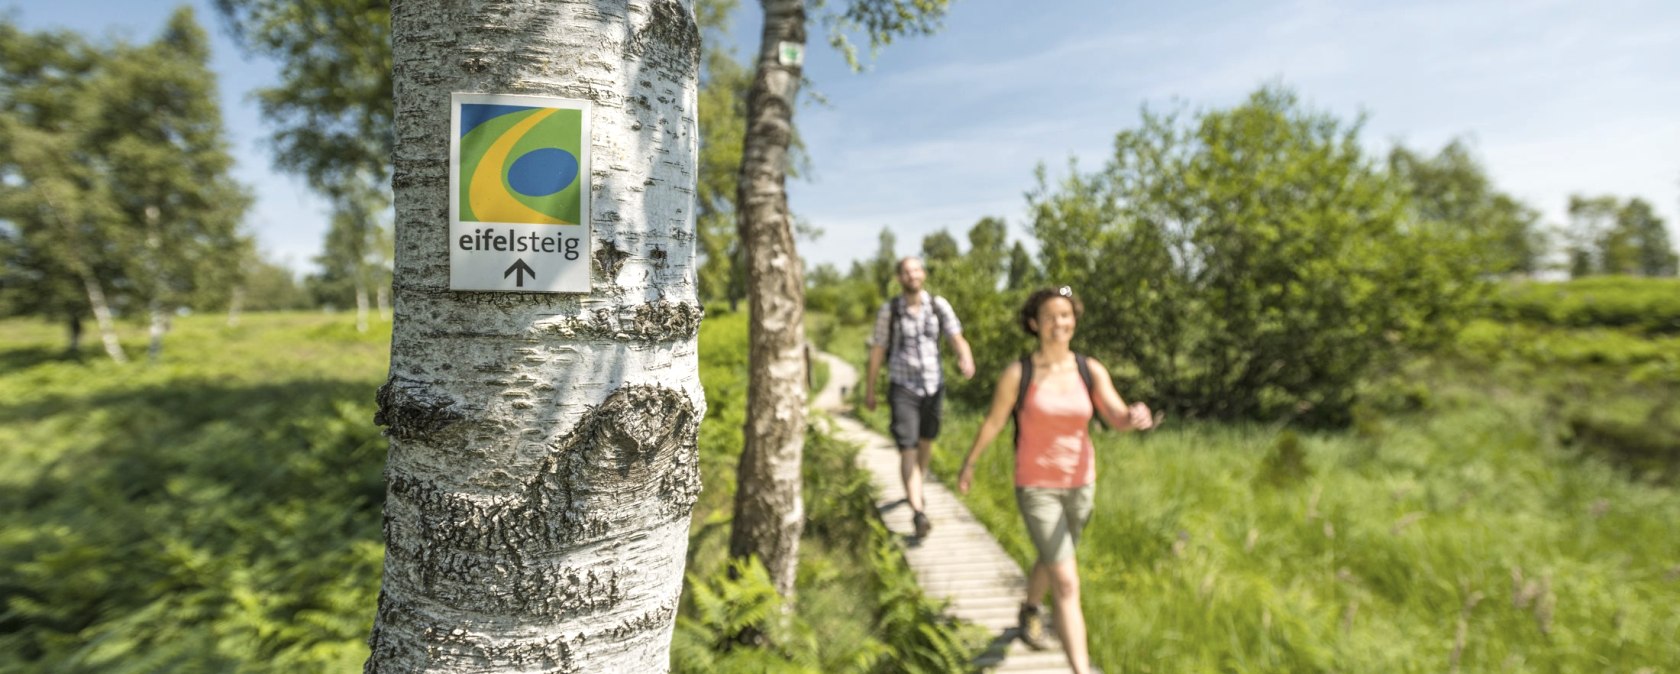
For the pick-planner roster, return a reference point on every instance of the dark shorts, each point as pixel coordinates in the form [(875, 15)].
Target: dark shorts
[(914, 417)]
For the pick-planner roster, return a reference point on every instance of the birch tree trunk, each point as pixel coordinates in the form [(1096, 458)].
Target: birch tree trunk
[(102, 316), (361, 303), (159, 327), (769, 514), (543, 462), (235, 304)]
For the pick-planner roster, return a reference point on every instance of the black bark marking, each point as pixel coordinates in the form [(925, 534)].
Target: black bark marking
[(640, 444), (636, 451), (673, 26), (610, 258), (494, 583), (651, 322), (410, 409)]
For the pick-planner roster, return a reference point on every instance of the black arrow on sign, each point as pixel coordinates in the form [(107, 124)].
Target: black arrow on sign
[(519, 270)]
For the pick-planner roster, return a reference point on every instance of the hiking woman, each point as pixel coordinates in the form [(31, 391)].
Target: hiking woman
[(1055, 465)]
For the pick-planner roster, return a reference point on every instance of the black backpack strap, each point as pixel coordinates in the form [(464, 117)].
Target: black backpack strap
[(1085, 375), (1021, 396), (1084, 365), (895, 312), (1026, 379)]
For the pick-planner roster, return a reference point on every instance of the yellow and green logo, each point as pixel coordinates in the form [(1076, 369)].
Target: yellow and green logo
[(520, 165)]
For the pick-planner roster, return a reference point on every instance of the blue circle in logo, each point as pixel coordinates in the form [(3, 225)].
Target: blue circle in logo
[(542, 172)]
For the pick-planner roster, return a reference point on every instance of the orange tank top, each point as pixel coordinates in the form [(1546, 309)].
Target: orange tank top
[(1055, 449)]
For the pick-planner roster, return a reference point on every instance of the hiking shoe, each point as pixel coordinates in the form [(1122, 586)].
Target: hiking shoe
[(1031, 626), (922, 525)]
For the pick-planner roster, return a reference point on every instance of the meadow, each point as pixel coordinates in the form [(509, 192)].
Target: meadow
[(1502, 505), (1474, 517), (219, 510)]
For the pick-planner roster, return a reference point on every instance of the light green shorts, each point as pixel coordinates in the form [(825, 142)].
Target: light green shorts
[(1054, 518)]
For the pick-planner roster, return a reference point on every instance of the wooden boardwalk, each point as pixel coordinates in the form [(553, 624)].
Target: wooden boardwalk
[(959, 560)]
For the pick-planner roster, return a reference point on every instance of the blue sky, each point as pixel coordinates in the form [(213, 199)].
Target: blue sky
[(1555, 97)]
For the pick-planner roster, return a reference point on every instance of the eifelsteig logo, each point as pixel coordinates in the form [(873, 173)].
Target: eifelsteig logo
[(520, 164)]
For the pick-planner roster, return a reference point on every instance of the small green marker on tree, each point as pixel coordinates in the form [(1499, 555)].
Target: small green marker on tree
[(791, 54)]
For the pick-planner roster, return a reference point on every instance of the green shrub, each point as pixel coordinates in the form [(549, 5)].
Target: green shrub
[(1250, 263), (1650, 305), (1609, 352)]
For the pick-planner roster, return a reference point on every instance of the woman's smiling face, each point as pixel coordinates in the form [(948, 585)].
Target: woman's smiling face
[(1056, 320)]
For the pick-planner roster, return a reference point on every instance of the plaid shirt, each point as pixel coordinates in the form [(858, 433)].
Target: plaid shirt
[(914, 361)]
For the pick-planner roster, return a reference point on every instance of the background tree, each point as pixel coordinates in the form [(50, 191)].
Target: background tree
[(1608, 236), (883, 268), (1644, 232), (1452, 194), (1267, 265), (542, 467), (1023, 272), (724, 83), (353, 262), (117, 178), (768, 516), (970, 282), (988, 243), (1590, 240), (272, 286), (940, 248), (169, 169), (52, 196), (33, 284), (333, 113)]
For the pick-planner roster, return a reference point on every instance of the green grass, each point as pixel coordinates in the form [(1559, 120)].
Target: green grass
[(219, 510), (1616, 392), (1651, 305), (1469, 510), (853, 612)]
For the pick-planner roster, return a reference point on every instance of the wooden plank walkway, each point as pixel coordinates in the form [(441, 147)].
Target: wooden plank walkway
[(959, 560)]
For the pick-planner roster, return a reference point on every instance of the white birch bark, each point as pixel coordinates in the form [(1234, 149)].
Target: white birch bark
[(361, 304), (769, 512), (159, 328), (90, 282), (102, 316), (543, 460), (155, 306), (235, 304)]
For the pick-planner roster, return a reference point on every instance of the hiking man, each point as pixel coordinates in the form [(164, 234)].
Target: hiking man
[(907, 330)]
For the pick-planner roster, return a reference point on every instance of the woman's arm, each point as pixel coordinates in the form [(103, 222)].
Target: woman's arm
[(1003, 403), (1113, 409)]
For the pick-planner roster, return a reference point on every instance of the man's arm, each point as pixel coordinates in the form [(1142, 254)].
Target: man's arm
[(876, 355), (877, 352), (965, 357), (953, 334)]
